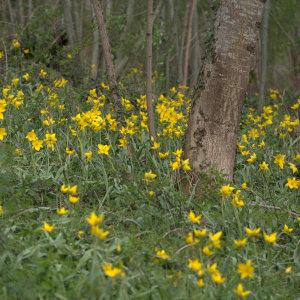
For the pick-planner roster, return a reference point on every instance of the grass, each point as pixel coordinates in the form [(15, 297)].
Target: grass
[(67, 263)]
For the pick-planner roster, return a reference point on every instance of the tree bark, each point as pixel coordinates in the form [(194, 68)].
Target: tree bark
[(97, 5), (69, 22), (264, 54), (95, 51), (149, 93), (187, 46), (216, 110), (196, 53)]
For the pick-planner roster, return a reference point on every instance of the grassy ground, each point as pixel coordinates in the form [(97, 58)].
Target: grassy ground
[(163, 231)]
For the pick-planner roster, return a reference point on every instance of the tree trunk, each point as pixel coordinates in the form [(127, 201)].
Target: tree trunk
[(107, 56), (69, 22), (196, 53), (216, 110), (21, 12), (149, 93), (96, 51), (187, 46), (264, 54)]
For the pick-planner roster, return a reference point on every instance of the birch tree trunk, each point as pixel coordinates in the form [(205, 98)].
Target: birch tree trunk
[(264, 54), (149, 93), (216, 110)]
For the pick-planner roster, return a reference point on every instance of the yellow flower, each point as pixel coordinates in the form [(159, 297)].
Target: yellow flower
[(1, 210), (73, 189), (26, 77), (99, 232), (215, 239), (162, 254), (206, 250), (175, 165), (286, 229), (42, 73), (80, 233), (163, 155), (70, 151), (3, 134), (226, 190), (279, 160), (50, 140), (31, 136), (217, 277), (94, 220), (252, 232), (111, 271), (155, 146), (244, 185), (245, 270), (200, 282), (64, 188), (239, 290), (62, 211), (73, 199), (15, 81), (104, 86), (47, 227), (288, 270), (293, 183), (293, 168), (26, 51), (252, 158), (190, 239), (37, 145), (1, 54), (151, 194), (240, 243), (237, 201), (103, 149), (186, 165), (178, 153), (18, 152), (264, 166), (297, 157), (195, 265), (200, 232), (245, 153), (15, 44), (60, 83), (270, 238), (149, 176), (193, 218), (88, 155)]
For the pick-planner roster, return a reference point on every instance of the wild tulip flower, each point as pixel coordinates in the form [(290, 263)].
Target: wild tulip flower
[(270, 238), (195, 265), (240, 243), (286, 229), (162, 254), (241, 292), (47, 227), (245, 269), (252, 232), (194, 218), (3, 134), (62, 211), (94, 219), (103, 149), (110, 271)]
